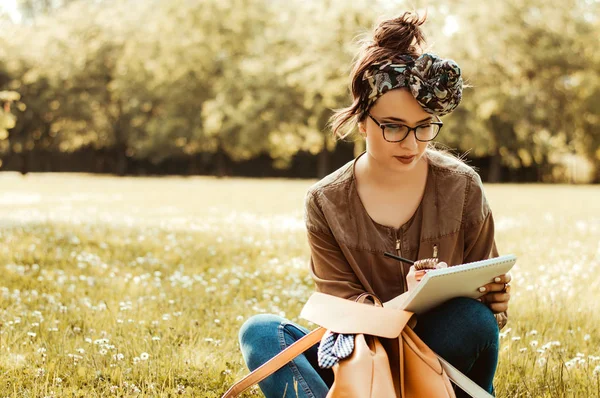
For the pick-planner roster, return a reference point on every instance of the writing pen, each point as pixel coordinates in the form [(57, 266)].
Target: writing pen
[(398, 258)]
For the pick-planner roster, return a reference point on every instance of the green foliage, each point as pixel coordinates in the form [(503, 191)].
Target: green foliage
[(170, 78)]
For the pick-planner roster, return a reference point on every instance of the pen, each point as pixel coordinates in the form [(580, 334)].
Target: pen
[(398, 258)]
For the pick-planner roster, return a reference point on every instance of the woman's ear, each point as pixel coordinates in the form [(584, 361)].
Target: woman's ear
[(362, 128)]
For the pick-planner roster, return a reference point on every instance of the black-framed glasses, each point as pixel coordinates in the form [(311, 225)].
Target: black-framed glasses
[(396, 132)]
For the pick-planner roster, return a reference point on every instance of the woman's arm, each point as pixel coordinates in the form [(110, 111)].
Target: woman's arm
[(328, 266)]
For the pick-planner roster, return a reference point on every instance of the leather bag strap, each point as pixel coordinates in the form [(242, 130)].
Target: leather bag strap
[(314, 337), (466, 384), (276, 363)]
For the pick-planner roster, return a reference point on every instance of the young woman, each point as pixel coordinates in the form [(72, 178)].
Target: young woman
[(400, 195)]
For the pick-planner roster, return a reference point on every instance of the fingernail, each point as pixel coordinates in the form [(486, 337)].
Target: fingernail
[(482, 289), (497, 279)]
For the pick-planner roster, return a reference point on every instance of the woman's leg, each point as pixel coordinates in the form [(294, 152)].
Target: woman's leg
[(265, 335), (464, 332)]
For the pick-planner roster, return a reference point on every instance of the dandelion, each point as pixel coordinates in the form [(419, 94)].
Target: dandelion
[(103, 352), (31, 334), (58, 380), (40, 372), (136, 360), (155, 338), (533, 343), (569, 364), (144, 356), (587, 337), (118, 357)]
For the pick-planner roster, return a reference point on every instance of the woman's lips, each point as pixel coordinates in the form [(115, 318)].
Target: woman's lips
[(405, 159)]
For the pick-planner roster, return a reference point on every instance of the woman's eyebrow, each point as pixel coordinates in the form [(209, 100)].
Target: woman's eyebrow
[(404, 121)]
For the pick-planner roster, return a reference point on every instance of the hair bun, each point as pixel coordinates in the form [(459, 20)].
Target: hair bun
[(402, 35)]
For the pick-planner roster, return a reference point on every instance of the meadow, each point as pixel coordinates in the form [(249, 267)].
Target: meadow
[(138, 286)]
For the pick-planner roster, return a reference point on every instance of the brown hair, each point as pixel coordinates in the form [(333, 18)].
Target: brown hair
[(391, 38)]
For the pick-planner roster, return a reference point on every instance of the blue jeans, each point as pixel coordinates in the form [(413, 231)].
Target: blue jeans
[(463, 331)]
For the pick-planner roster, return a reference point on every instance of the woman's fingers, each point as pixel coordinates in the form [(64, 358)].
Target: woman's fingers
[(492, 287), (498, 307), (500, 284), (411, 279), (496, 298), (506, 278)]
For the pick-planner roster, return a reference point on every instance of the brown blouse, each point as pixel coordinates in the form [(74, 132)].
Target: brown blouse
[(453, 223)]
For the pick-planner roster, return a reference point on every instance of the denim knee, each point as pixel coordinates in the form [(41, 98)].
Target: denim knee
[(258, 333), (479, 318), (259, 327)]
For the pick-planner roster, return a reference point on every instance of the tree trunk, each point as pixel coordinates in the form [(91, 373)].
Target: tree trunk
[(194, 167), (24, 160), (323, 163), (220, 162), (596, 178), (121, 160), (495, 168)]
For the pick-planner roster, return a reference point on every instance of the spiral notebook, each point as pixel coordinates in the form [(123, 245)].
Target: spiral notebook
[(463, 280)]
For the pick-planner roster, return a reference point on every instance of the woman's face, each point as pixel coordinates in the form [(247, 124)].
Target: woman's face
[(400, 107)]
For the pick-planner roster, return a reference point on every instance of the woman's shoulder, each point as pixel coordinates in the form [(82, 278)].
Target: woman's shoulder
[(334, 181), (456, 179), (325, 196), (446, 163)]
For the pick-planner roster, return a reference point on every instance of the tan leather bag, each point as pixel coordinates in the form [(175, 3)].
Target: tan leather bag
[(367, 372)]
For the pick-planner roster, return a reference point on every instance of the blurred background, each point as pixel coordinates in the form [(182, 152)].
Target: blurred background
[(246, 87)]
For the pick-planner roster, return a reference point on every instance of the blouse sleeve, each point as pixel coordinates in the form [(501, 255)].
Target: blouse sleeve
[(328, 266), (480, 243)]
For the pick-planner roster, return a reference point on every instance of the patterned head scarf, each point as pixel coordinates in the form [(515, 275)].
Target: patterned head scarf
[(434, 82)]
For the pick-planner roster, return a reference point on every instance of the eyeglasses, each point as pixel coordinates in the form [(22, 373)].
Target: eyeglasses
[(396, 132)]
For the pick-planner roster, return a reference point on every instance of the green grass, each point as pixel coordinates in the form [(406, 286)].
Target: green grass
[(172, 267)]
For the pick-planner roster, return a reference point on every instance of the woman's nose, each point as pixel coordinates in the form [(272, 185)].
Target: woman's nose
[(410, 142)]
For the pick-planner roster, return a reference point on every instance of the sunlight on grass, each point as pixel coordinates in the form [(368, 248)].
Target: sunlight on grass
[(137, 287)]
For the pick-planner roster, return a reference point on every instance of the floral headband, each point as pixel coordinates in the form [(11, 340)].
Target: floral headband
[(435, 83)]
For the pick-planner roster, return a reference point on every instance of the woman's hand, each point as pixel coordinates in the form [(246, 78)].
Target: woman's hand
[(414, 276), (497, 293)]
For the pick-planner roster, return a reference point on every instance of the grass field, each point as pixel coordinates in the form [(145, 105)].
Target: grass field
[(137, 287)]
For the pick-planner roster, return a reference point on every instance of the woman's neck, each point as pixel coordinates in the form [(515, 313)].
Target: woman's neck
[(374, 173)]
